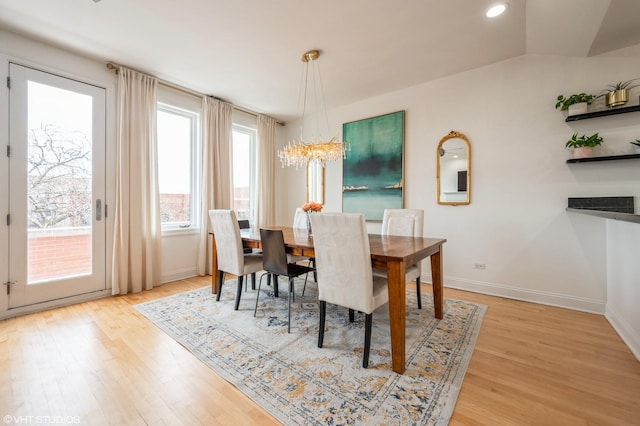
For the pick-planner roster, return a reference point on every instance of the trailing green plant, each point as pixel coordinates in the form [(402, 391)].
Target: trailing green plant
[(636, 143), (584, 140), (564, 103)]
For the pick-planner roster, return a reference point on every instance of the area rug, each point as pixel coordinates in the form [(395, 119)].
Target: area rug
[(301, 384)]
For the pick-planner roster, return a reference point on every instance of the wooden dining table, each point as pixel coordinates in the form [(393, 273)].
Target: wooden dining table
[(389, 252)]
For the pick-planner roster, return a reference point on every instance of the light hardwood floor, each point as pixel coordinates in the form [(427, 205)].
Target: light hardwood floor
[(101, 362)]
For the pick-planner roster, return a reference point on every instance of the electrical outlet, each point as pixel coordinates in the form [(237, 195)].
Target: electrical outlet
[(479, 266)]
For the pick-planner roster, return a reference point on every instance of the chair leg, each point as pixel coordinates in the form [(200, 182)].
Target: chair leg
[(323, 311), (239, 292), (290, 295), (418, 293), (253, 281), (315, 273), (351, 315), (258, 293), (275, 286), (220, 281), (367, 340)]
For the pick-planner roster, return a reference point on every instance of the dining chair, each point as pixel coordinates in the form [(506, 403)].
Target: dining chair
[(345, 276), (300, 219), (275, 263), (407, 223), (230, 253), (245, 224)]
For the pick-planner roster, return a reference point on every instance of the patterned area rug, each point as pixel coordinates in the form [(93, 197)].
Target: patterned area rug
[(299, 383)]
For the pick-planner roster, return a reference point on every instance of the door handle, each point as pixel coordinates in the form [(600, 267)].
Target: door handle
[(98, 209)]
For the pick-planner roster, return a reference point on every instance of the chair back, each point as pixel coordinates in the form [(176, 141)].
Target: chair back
[(403, 222), (274, 252), (300, 219), (229, 248), (343, 260)]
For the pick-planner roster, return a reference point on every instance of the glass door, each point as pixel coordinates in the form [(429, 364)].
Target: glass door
[(57, 187)]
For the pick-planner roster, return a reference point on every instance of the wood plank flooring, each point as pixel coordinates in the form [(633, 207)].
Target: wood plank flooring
[(101, 362)]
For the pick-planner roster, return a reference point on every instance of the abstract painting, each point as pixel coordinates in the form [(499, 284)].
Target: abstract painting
[(372, 172)]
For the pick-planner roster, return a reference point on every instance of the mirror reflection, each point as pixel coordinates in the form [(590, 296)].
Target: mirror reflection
[(315, 182), (453, 170)]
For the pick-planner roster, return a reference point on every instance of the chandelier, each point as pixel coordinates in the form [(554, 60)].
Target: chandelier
[(299, 153)]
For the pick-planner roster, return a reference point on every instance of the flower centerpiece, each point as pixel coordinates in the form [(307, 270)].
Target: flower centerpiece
[(310, 208)]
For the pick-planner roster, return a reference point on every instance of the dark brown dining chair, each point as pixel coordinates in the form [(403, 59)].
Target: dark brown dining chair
[(274, 261), (244, 224)]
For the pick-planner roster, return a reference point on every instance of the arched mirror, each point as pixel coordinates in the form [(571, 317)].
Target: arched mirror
[(453, 169), (315, 182)]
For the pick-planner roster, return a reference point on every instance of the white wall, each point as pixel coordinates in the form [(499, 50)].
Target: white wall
[(516, 223)]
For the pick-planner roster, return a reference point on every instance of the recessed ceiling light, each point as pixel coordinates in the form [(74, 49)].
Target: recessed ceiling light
[(496, 10)]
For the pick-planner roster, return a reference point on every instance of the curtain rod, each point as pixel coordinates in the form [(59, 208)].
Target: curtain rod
[(115, 67)]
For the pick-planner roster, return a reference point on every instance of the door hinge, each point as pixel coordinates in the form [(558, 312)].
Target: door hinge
[(8, 150), (8, 219), (9, 284), (8, 82)]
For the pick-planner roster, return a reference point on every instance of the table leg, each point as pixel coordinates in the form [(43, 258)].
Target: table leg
[(436, 279), (397, 313), (214, 266)]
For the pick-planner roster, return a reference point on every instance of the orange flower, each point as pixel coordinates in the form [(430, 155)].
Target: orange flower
[(312, 207)]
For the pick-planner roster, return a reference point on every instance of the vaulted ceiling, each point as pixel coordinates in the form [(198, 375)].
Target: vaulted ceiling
[(248, 51)]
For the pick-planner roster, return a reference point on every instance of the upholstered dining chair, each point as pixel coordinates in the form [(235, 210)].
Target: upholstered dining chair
[(275, 264), (230, 253), (406, 223), (300, 222), (345, 277)]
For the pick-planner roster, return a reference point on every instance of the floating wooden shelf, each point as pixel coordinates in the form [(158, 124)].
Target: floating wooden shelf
[(607, 158), (603, 113)]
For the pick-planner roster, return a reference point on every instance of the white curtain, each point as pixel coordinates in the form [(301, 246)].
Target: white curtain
[(215, 169), (266, 171), (137, 239)]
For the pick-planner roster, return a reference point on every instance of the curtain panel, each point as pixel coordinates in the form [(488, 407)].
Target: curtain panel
[(137, 235), (216, 190), (266, 171)]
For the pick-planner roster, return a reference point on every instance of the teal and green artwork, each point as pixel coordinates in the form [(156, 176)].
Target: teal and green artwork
[(372, 172)]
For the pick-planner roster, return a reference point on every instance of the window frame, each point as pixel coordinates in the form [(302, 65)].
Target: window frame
[(252, 132), (172, 106)]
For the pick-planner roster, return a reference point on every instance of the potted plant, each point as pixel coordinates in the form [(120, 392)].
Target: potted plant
[(583, 145), (574, 104), (618, 94), (637, 145)]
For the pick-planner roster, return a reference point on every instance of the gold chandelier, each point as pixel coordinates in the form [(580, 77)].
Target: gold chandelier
[(299, 153)]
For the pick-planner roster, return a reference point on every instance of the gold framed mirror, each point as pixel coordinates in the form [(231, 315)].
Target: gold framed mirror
[(453, 170), (315, 182)]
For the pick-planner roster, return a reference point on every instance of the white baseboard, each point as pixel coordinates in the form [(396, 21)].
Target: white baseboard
[(625, 331), (527, 295), (179, 275)]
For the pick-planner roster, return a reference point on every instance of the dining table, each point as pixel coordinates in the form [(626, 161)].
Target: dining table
[(389, 252)]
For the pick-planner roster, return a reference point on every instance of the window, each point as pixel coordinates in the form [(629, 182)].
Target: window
[(178, 131), (244, 172)]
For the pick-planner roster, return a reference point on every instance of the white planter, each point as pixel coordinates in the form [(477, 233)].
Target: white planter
[(583, 152), (579, 108)]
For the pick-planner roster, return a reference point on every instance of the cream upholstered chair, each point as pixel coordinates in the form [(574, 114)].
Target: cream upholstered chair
[(345, 277), (407, 223), (230, 253), (300, 222)]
